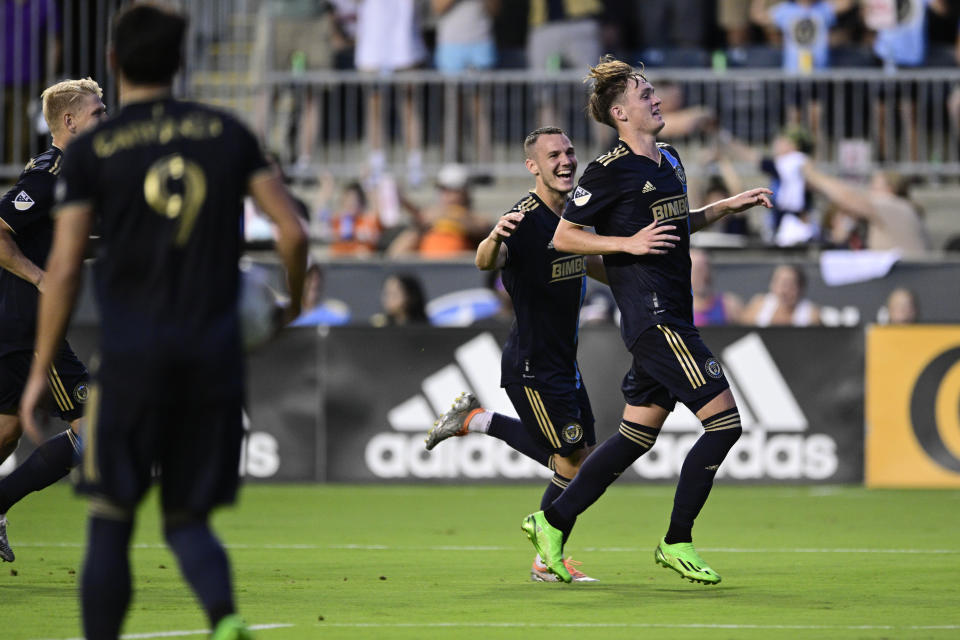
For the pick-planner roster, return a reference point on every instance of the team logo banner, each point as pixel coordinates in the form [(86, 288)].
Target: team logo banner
[(913, 406)]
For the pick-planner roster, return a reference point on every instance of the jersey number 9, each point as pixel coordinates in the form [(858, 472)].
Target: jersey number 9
[(176, 188)]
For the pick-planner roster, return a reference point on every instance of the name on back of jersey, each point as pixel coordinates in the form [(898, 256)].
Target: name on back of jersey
[(568, 267), (673, 208)]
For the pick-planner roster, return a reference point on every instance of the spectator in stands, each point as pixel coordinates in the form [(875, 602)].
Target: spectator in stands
[(294, 36), (900, 41), (389, 40), (671, 23), (901, 307), (352, 227), (709, 306), (27, 57), (784, 304), (805, 27), (733, 17), (402, 301), (447, 228), (316, 309), (680, 119), (563, 34), (894, 221), (791, 199), (465, 41)]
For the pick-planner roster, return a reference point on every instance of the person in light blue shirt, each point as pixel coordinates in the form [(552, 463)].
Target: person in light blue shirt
[(905, 43), (805, 25)]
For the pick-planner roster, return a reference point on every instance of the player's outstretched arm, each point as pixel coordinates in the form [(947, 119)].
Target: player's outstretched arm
[(572, 238), (704, 217), (62, 282), (491, 252), (13, 260), (273, 199)]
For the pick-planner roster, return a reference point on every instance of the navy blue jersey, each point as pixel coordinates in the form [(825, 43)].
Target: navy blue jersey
[(547, 288), (166, 180), (26, 210), (619, 194)]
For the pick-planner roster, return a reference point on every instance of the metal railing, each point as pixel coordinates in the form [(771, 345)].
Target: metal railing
[(907, 121), (420, 120)]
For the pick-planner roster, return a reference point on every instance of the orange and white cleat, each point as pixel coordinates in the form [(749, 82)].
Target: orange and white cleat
[(453, 423), (540, 573)]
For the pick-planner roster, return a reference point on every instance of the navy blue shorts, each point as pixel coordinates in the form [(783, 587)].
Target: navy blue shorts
[(562, 423), (68, 379), (192, 446), (670, 364)]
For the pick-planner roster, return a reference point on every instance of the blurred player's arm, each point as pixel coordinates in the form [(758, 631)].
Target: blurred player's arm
[(705, 216), (273, 199), (13, 260), (491, 252), (61, 284), (845, 196), (596, 270)]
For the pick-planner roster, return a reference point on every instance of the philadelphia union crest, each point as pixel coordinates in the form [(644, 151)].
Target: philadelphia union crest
[(572, 433)]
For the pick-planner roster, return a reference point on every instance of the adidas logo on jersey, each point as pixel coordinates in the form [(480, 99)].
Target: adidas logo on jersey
[(647, 188), (23, 201), (581, 196)]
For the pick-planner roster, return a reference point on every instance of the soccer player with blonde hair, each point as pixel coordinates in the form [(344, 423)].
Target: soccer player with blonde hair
[(635, 196), (26, 228)]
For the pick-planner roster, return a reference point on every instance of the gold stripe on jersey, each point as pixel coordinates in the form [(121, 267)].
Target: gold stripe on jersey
[(55, 169), (637, 436), (543, 418), (560, 482), (527, 204), (618, 152), (683, 357), (729, 422), (91, 473), (59, 392)]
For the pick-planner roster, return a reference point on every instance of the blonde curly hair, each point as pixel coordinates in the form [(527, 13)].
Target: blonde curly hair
[(63, 96), (610, 78)]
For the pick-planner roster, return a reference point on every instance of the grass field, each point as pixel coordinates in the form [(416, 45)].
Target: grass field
[(451, 562)]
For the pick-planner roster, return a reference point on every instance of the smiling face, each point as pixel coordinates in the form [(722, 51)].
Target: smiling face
[(639, 108), (553, 161)]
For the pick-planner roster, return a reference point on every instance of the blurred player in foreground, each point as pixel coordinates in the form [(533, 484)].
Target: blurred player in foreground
[(26, 229), (166, 180), (636, 197), (539, 365)]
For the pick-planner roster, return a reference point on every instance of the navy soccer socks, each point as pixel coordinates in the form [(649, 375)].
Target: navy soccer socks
[(515, 434), (105, 584), (205, 566), (556, 486), (599, 471), (721, 432), (48, 463)]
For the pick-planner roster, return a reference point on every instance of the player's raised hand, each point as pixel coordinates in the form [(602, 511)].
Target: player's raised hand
[(651, 240), (506, 225), (750, 198)]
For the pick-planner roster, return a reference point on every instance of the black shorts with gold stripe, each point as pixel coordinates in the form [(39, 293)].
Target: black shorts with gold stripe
[(562, 423), (68, 379), (670, 364)]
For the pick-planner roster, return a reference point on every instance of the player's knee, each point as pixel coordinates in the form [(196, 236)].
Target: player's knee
[(569, 465), (726, 424), (10, 432), (175, 520)]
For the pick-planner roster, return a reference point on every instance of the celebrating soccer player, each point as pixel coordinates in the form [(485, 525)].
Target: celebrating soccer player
[(166, 179), (26, 228), (635, 196), (539, 366)]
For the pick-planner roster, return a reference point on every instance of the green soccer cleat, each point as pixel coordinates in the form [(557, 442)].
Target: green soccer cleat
[(231, 628), (683, 558), (548, 541)]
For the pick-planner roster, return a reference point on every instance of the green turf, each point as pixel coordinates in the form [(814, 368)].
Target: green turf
[(454, 564)]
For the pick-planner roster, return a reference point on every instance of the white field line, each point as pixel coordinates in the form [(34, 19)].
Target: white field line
[(633, 625), (195, 632), (461, 548)]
